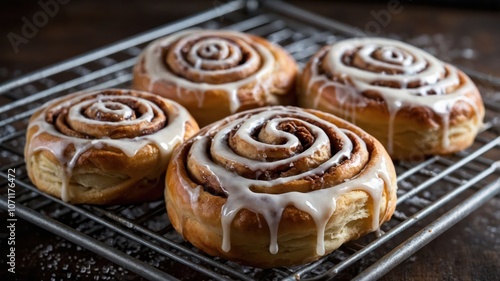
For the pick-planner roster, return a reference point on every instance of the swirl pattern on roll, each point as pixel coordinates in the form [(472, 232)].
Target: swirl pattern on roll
[(398, 75), (120, 121), (216, 59), (268, 160), (107, 115), (202, 64)]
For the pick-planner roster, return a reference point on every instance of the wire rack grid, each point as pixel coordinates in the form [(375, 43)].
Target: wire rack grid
[(434, 193)]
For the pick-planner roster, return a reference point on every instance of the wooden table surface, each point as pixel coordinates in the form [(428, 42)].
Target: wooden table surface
[(468, 251)]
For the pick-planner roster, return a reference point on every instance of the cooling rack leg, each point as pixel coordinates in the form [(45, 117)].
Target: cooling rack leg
[(427, 234)]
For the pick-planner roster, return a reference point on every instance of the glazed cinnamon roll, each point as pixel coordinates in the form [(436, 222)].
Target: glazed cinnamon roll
[(105, 147), (279, 186), (217, 73), (415, 104)]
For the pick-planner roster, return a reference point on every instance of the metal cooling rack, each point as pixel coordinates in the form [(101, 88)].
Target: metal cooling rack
[(434, 193)]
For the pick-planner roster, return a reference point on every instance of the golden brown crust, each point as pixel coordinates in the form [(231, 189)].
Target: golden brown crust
[(92, 184), (254, 87), (84, 169), (418, 129), (195, 210)]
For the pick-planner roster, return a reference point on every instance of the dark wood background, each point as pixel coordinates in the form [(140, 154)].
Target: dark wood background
[(468, 251)]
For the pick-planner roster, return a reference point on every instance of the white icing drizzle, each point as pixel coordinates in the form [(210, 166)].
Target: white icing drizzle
[(411, 65), (216, 43), (165, 139), (319, 204), (103, 104)]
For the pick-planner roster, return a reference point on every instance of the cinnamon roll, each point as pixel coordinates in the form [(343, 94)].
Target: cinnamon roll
[(279, 186), (105, 147), (217, 73), (413, 103)]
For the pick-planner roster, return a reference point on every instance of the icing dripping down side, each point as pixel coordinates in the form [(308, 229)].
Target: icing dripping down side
[(154, 63), (319, 204), (164, 139), (407, 64)]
